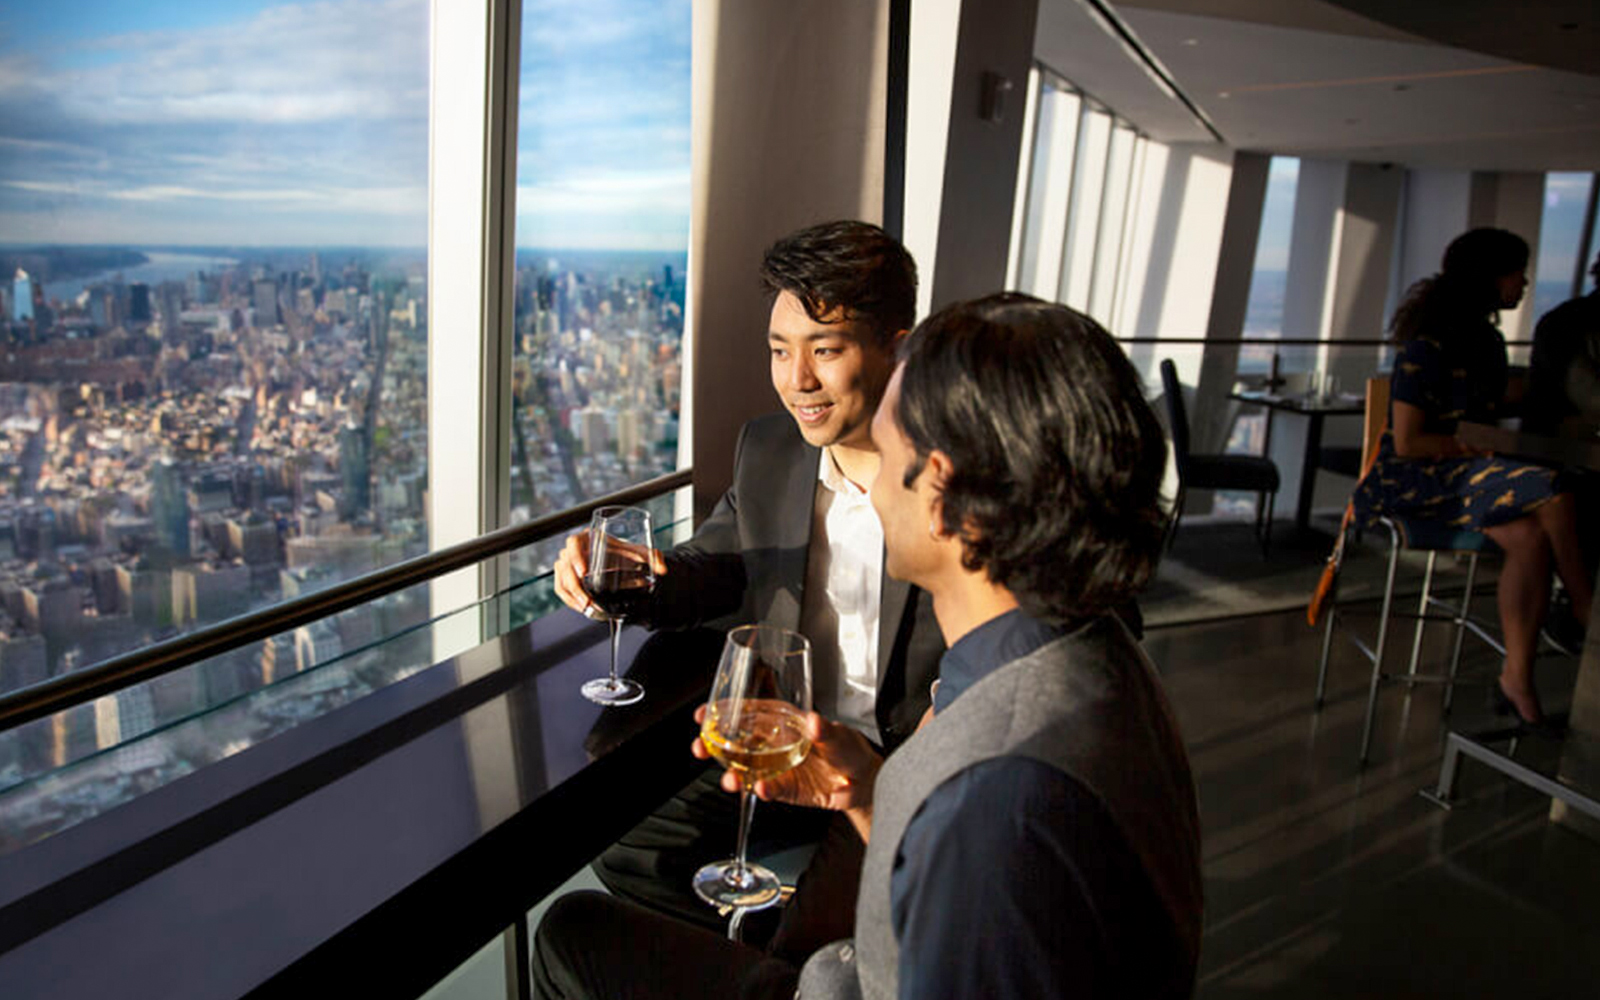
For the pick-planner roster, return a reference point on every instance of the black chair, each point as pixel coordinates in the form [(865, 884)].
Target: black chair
[(1250, 473)]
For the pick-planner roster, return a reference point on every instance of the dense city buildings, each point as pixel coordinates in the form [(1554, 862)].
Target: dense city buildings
[(224, 432)]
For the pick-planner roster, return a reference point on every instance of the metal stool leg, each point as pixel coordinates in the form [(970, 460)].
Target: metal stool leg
[(1422, 610), (1327, 647), (1383, 635), (1327, 643), (1461, 631)]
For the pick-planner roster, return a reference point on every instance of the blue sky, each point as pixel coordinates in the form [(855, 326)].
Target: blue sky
[(257, 123)]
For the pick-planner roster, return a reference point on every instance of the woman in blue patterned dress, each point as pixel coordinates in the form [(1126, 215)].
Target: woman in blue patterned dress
[(1452, 367)]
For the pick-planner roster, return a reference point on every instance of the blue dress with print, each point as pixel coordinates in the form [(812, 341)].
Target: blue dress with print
[(1461, 379)]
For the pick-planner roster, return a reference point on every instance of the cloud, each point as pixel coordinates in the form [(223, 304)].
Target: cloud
[(317, 62), (44, 146), (618, 193), (308, 122), (44, 187)]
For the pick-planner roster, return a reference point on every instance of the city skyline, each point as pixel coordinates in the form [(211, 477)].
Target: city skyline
[(179, 451)]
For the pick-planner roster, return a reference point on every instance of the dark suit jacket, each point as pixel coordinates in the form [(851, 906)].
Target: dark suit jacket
[(1564, 372), (747, 563)]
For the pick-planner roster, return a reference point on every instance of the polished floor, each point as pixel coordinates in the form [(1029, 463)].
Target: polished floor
[(1327, 880)]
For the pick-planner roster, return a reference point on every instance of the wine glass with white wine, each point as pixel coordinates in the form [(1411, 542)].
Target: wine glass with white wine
[(620, 577), (755, 725)]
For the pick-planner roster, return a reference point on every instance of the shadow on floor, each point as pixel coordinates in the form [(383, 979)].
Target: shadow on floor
[(1216, 570)]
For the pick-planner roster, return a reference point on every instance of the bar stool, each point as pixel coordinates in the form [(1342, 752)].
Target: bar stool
[(1413, 535), (1406, 534)]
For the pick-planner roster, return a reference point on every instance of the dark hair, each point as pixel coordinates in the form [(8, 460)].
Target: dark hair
[(1057, 457), (1464, 291), (851, 266)]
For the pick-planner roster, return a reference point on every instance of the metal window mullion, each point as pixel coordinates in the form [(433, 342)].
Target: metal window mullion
[(499, 291), (1109, 232), (474, 51), (1051, 245), (1023, 193), (1130, 215)]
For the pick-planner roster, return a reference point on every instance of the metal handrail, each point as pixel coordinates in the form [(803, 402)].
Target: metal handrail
[(1284, 341), (48, 697)]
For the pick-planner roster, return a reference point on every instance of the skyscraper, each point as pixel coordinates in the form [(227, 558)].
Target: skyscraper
[(355, 469), (21, 297), (169, 508), (264, 296), (139, 310)]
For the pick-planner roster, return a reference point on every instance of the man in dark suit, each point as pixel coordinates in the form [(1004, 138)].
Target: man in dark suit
[(795, 542), (1563, 398), (1564, 373)]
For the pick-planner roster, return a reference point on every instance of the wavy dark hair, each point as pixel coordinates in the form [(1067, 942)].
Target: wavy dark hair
[(846, 265), (1465, 290), (1057, 457)]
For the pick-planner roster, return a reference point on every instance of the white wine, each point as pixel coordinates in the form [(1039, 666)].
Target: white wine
[(766, 738)]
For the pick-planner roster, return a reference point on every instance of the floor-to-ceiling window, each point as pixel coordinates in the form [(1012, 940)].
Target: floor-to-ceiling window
[(1051, 150), (1075, 199), (602, 232), (214, 378), (1264, 307), (1268, 278), (215, 384), (1559, 256)]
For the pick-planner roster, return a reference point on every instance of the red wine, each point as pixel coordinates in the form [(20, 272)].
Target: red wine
[(620, 591)]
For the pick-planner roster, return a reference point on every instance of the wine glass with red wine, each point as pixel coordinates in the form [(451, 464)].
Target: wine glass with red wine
[(620, 577)]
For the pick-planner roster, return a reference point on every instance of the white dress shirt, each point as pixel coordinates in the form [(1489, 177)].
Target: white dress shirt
[(839, 611)]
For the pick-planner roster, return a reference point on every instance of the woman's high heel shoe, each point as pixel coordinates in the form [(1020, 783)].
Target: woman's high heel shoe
[(1501, 704)]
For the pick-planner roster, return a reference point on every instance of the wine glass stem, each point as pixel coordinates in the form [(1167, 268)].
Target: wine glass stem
[(616, 639), (747, 808)]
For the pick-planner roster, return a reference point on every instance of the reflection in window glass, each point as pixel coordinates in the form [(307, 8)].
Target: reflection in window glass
[(1566, 199), (213, 389), (602, 246)]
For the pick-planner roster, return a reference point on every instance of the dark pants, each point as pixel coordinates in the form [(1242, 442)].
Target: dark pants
[(653, 864), (592, 946)]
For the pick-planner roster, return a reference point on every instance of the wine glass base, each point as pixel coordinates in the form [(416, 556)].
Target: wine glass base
[(720, 885), (605, 691)]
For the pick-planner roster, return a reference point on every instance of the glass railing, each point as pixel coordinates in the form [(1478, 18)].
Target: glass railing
[(78, 763)]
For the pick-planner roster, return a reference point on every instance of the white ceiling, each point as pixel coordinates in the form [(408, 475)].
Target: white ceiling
[(1310, 78)]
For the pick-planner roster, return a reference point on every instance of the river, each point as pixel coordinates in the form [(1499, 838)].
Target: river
[(162, 266)]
